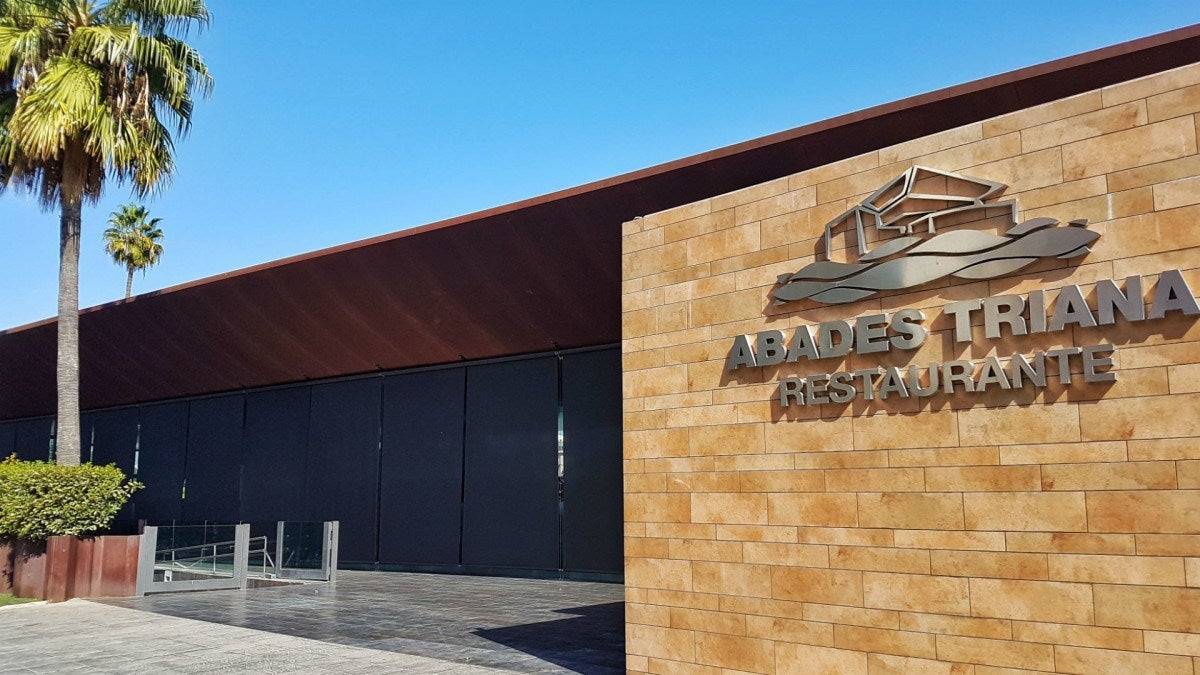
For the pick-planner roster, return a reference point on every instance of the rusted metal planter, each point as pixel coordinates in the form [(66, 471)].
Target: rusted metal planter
[(62, 568)]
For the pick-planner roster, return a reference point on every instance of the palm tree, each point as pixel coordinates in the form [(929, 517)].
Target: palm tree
[(133, 241), (91, 90)]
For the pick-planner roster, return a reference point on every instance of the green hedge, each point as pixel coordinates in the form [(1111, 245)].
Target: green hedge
[(39, 500)]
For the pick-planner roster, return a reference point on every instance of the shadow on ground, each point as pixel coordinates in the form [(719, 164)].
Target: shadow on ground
[(523, 625), (592, 641)]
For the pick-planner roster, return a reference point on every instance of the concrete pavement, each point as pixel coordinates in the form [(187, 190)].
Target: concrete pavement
[(87, 637)]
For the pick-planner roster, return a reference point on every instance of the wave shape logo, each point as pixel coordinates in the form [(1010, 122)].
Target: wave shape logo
[(914, 205)]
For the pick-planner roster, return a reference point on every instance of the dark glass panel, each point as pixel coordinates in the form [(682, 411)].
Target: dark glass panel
[(510, 513)]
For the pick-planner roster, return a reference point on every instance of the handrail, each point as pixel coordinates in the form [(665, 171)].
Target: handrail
[(267, 560), (200, 546)]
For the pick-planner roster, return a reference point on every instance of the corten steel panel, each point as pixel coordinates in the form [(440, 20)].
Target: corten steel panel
[(160, 463), (59, 556), (592, 509), (33, 438), (109, 437), (343, 463), (522, 278), (421, 488), (510, 508), (7, 555), (212, 467), (29, 569), (114, 566), (506, 286), (274, 448), (85, 568), (27, 360), (8, 440)]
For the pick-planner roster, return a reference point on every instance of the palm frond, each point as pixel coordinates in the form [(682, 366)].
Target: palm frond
[(61, 105), (159, 15), (102, 44), (107, 78)]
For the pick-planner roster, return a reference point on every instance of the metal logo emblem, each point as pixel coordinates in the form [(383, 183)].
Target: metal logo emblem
[(902, 220)]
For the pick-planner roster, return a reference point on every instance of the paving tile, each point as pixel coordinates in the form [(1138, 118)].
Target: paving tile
[(366, 622)]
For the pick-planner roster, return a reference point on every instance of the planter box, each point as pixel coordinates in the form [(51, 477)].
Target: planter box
[(62, 568), (23, 568)]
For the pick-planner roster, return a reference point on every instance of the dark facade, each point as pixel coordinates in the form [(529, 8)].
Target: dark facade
[(452, 468)]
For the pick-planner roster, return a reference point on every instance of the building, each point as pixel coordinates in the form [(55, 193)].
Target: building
[(908, 390)]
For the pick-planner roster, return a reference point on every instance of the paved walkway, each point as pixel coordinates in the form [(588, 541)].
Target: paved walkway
[(88, 637), (423, 623)]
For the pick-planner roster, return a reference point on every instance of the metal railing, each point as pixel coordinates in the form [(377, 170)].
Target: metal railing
[(327, 569), (303, 550), (148, 559), (173, 558)]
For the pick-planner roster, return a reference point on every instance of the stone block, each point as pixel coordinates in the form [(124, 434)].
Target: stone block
[(1186, 644), (807, 509), (1080, 636), (1000, 629), (851, 616), (656, 573), (699, 225), (771, 553), (810, 584), (731, 579), (875, 480), (885, 664), (1109, 476), (910, 561), (1063, 542), (796, 480), (704, 549), (1019, 425), (790, 630), (964, 456), (950, 539), (1025, 511), (884, 641), (656, 641), (991, 564), (1088, 125), (1168, 544), (1005, 653), (1117, 569), (1183, 192), (735, 652), (1158, 142), (911, 510), (1152, 511), (799, 659), (726, 439), (916, 593), (1159, 608), (1085, 660), (1046, 601), (982, 478)]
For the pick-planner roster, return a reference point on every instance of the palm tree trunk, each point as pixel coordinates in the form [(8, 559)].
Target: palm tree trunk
[(67, 438), (129, 284)]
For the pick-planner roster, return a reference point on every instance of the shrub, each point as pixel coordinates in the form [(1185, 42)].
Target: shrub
[(39, 499)]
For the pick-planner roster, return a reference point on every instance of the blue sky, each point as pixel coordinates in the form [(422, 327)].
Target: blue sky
[(333, 122)]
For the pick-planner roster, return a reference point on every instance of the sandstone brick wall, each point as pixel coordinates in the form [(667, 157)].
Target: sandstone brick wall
[(1052, 529)]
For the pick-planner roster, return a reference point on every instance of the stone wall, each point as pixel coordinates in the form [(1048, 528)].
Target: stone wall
[(1048, 529)]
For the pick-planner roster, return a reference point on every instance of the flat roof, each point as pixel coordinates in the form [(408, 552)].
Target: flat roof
[(532, 276)]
